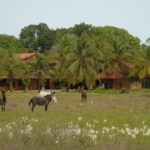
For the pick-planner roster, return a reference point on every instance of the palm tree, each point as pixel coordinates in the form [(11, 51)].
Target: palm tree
[(118, 55), (65, 45), (9, 66), (24, 72), (80, 64), (40, 68), (142, 63)]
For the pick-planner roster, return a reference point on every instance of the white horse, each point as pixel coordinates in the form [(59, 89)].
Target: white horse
[(44, 93)]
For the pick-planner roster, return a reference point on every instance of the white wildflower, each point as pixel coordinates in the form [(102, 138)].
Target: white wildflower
[(56, 141), (78, 131), (79, 118), (105, 121), (34, 120), (22, 131), (10, 135), (96, 121), (88, 125), (9, 127), (28, 129)]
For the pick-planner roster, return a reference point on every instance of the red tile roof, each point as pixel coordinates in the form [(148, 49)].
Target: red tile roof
[(125, 63), (25, 56), (117, 75), (55, 62), (113, 76)]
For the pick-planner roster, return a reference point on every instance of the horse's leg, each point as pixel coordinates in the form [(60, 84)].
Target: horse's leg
[(2, 107), (85, 99), (32, 109), (46, 106), (82, 99)]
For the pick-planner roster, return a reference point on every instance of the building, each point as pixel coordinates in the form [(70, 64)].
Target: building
[(117, 80), (17, 82)]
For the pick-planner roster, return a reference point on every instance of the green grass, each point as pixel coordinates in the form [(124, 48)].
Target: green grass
[(120, 91), (132, 108)]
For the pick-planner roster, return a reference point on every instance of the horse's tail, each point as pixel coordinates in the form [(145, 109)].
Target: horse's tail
[(30, 102)]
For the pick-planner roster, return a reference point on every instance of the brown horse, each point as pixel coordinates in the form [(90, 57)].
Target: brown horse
[(84, 95), (3, 100)]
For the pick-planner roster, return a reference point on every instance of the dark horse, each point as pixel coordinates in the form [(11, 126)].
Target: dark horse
[(37, 100), (83, 95), (3, 100)]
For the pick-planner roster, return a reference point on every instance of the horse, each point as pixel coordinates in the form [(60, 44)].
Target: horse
[(38, 100), (44, 93), (3, 100), (83, 95)]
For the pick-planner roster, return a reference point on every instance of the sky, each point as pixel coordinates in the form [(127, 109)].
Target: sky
[(132, 15)]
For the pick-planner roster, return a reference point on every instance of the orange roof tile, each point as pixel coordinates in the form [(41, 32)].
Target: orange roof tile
[(25, 56), (113, 76), (123, 62)]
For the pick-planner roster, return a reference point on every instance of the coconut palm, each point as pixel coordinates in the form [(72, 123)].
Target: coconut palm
[(40, 68), (117, 56), (24, 72), (9, 66), (66, 44), (142, 63), (81, 61)]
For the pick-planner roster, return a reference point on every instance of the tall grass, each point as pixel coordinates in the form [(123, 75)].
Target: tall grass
[(106, 121)]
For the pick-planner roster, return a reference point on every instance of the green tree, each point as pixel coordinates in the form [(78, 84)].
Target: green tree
[(38, 37), (81, 61), (24, 72), (121, 46), (40, 68), (78, 29), (9, 42), (142, 63), (28, 36), (9, 66), (62, 48)]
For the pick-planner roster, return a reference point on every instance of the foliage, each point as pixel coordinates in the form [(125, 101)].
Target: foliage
[(9, 66), (142, 63), (9, 42), (81, 28), (81, 51), (81, 62), (118, 46), (38, 37), (40, 68)]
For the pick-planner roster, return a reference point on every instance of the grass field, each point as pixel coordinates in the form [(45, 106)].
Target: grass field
[(108, 120)]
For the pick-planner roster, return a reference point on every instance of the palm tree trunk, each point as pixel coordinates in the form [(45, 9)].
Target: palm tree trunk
[(11, 86), (39, 85), (68, 88), (26, 88)]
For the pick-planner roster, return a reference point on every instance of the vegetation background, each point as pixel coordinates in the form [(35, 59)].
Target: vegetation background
[(83, 51)]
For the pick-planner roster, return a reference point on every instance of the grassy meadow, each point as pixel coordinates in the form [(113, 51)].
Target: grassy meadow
[(108, 121)]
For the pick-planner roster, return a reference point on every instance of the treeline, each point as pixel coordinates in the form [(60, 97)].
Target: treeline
[(83, 51)]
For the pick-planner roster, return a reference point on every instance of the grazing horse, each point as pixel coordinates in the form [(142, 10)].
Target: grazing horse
[(3, 100), (37, 100), (84, 95)]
